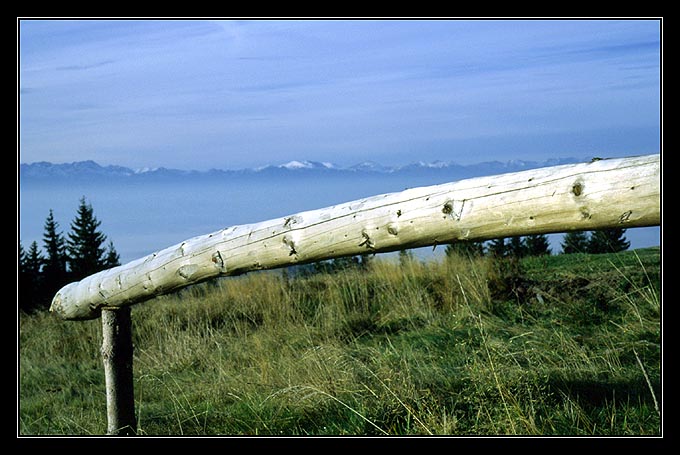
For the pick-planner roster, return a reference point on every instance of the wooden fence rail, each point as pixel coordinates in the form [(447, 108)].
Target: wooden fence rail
[(602, 194), (623, 192)]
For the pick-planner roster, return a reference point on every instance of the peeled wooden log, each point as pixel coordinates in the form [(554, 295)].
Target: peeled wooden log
[(623, 192)]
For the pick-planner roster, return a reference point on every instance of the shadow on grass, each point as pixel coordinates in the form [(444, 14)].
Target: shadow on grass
[(595, 393)]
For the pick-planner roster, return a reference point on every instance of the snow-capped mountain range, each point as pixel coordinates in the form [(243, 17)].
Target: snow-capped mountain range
[(91, 170)]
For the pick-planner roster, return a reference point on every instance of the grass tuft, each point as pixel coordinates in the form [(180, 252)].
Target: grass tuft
[(558, 345)]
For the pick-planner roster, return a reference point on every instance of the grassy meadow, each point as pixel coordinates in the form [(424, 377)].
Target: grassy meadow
[(566, 345)]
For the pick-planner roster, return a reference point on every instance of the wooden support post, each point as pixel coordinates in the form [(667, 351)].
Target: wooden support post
[(117, 356)]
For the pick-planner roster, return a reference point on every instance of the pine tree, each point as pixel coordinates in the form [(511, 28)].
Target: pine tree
[(34, 260), (344, 263), (516, 247), (24, 281), (619, 241), (497, 247), (54, 271), (405, 257), (30, 289), (84, 245), (575, 242), (465, 249), (537, 245), (608, 241), (112, 257)]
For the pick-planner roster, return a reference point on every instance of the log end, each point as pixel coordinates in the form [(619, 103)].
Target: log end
[(73, 311)]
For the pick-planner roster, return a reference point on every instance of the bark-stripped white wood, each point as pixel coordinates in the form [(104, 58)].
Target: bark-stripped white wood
[(624, 192)]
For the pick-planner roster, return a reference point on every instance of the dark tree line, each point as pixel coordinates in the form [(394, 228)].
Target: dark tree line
[(519, 246), (329, 266), (63, 259), (595, 242), (604, 241)]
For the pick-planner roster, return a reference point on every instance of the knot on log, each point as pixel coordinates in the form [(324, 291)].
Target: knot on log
[(367, 240)]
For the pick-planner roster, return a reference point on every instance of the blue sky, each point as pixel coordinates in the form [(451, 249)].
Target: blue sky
[(200, 94)]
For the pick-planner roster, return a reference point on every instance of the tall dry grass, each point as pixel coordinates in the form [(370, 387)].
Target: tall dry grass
[(457, 346)]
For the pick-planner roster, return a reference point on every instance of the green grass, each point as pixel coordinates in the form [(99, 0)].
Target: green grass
[(558, 345)]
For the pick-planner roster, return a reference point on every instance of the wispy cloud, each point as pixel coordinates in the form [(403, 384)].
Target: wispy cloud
[(180, 93), (632, 49), (82, 67)]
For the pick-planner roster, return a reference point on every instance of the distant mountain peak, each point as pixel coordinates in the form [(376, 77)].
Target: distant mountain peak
[(143, 170), (369, 166), (305, 164), (76, 168)]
